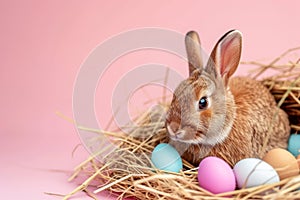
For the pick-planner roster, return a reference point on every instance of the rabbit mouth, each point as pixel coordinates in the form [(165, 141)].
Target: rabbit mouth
[(189, 135), (196, 140)]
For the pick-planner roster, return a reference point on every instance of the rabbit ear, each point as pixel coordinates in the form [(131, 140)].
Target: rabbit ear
[(193, 49), (225, 56)]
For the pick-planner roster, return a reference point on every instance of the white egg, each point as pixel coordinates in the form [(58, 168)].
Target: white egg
[(251, 172)]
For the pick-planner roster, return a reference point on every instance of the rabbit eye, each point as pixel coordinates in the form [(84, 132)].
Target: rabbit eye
[(203, 103)]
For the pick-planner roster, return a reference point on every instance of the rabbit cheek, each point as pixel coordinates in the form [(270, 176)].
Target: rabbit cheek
[(205, 118), (205, 115)]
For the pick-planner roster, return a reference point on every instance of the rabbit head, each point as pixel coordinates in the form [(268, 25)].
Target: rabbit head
[(202, 110)]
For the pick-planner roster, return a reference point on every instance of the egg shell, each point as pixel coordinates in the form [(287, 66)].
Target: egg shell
[(165, 157), (215, 175), (283, 162), (294, 144), (251, 172)]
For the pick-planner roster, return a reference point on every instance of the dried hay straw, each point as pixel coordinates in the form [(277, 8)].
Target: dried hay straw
[(127, 171)]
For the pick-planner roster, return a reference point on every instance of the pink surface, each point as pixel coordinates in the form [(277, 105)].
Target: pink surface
[(44, 43)]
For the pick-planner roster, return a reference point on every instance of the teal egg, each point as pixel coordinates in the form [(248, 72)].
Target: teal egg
[(294, 144), (165, 157)]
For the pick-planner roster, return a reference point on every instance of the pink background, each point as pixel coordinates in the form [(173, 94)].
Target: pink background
[(44, 43)]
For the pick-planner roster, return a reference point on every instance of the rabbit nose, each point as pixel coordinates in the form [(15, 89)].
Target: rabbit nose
[(173, 127), (174, 131)]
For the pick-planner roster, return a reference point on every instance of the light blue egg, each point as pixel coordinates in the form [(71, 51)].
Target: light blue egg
[(165, 157), (294, 144)]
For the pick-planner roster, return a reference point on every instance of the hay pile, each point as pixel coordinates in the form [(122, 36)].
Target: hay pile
[(127, 172)]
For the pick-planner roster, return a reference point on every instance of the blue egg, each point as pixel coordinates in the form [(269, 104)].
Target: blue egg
[(294, 144), (165, 157)]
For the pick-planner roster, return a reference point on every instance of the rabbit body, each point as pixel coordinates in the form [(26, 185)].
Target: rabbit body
[(257, 120), (212, 114)]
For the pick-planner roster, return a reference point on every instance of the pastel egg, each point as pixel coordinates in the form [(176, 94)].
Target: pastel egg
[(294, 144), (215, 175), (283, 162), (165, 157), (251, 172)]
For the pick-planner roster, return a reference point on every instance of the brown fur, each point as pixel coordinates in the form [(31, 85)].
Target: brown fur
[(255, 108), (243, 119)]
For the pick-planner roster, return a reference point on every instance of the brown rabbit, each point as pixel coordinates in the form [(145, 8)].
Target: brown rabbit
[(212, 114)]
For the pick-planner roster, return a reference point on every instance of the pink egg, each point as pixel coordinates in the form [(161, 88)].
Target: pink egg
[(216, 176)]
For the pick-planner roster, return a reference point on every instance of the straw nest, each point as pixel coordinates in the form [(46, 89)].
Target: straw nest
[(127, 171)]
